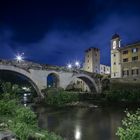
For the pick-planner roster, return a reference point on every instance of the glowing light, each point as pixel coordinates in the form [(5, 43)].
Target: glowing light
[(77, 133), (19, 57), (77, 63), (69, 66)]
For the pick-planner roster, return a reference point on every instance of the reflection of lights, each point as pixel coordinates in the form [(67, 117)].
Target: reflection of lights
[(25, 94), (26, 89), (77, 133)]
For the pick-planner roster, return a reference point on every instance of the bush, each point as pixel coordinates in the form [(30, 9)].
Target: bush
[(60, 97), (12, 91), (22, 121), (7, 107), (130, 129), (132, 95)]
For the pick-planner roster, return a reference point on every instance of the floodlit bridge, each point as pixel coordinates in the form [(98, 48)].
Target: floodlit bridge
[(37, 75)]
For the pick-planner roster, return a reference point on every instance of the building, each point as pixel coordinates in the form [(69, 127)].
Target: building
[(92, 60), (79, 85), (104, 69), (125, 61), (91, 64)]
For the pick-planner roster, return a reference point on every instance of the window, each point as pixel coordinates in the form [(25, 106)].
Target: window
[(132, 72), (125, 52), (135, 71), (125, 60), (134, 50), (135, 58), (88, 61), (125, 72), (114, 63), (114, 55)]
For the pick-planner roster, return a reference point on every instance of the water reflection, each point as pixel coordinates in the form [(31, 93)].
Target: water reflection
[(25, 99), (77, 132), (81, 123)]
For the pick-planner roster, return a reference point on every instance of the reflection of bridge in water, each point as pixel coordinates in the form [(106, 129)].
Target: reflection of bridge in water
[(37, 75)]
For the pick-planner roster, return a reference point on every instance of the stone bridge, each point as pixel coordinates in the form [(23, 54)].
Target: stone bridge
[(37, 75)]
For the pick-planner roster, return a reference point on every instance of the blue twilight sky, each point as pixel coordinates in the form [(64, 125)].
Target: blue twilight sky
[(59, 31)]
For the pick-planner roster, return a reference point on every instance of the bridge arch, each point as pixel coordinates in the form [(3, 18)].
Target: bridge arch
[(24, 73), (88, 80), (53, 79)]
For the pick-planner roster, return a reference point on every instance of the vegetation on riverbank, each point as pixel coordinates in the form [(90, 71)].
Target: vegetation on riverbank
[(20, 120), (59, 97), (123, 92), (130, 129)]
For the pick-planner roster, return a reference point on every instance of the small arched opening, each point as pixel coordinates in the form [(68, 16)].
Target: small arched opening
[(82, 83), (53, 80)]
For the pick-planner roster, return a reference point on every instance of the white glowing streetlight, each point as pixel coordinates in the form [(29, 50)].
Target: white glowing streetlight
[(77, 64), (69, 66), (19, 57)]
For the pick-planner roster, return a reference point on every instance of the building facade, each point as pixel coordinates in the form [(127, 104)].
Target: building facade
[(92, 60), (91, 64), (125, 61), (104, 69)]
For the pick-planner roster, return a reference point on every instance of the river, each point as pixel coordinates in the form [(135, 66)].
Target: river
[(76, 123)]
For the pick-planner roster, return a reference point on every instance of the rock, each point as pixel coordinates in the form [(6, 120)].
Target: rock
[(7, 135)]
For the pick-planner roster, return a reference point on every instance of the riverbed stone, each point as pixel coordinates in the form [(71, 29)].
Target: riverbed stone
[(7, 135)]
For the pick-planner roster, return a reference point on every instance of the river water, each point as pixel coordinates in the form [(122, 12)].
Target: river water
[(76, 123)]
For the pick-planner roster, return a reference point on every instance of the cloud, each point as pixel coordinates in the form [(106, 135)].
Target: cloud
[(56, 33)]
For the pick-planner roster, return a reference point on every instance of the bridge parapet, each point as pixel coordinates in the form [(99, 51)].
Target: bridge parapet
[(39, 72)]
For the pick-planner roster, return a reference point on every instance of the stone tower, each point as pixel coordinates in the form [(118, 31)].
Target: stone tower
[(115, 57), (92, 60)]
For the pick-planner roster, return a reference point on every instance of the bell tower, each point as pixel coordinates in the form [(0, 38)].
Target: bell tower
[(115, 57)]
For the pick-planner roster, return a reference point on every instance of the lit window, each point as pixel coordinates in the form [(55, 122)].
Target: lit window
[(134, 50)]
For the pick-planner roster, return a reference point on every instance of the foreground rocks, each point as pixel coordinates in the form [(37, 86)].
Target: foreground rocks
[(7, 135)]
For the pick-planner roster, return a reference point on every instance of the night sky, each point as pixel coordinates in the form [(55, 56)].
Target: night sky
[(59, 31)]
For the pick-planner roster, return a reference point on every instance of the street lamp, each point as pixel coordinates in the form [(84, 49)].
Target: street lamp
[(69, 66), (19, 57), (77, 64)]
